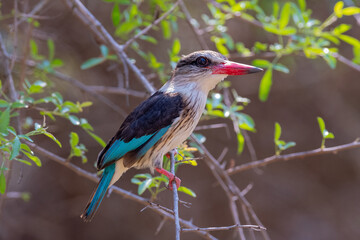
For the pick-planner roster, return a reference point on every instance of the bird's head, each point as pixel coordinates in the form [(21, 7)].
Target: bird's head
[(207, 68)]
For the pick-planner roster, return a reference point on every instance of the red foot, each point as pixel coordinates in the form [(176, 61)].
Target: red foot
[(171, 178), (175, 153)]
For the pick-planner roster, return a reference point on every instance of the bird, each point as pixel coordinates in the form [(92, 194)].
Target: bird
[(163, 121)]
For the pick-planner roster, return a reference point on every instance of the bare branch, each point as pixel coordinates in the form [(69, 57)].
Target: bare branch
[(346, 61), (117, 90), (190, 20), (156, 22), (291, 156), (210, 229)]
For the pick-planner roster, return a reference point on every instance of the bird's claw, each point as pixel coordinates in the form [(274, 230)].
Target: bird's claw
[(177, 181), (171, 178)]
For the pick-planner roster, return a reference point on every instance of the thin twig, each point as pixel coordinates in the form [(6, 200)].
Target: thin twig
[(176, 197), (346, 61), (190, 20), (117, 190), (291, 156), (103, 36), (156, 22), (210, 229), (118, 90)]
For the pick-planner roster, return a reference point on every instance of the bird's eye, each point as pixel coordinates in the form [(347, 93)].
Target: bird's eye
[(202, 61)]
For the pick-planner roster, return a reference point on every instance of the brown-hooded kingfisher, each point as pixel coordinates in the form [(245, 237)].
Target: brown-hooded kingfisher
[(163, 121)]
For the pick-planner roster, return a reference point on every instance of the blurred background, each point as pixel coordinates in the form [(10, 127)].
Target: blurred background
[(311, 198)]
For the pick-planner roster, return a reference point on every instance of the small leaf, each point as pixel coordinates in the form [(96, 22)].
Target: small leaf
[(4, 121), (176, 47), (144, 185), (116, 15), (285, 15), (277, 132), (350, 40), (280, 67), (288, 145), (351, 11), (338, 9), (321, 125), (166, 29), (136, 181), (241, 142), (97, 138), (265, 85), (261, 63), (302, 5), (74, 120), (92, 62), (2, 182), (34, 158), (74, 139), (15, 148), (330, 135), (52, 137), (104, 50), (187, 191)]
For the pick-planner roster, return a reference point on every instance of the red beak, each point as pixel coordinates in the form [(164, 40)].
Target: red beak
[(233, 68)]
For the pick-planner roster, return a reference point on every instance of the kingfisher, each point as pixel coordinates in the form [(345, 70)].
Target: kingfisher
[(163, 121)]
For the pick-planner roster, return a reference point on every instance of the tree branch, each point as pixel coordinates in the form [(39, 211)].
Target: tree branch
[(156, 22), (291, 156), (176, 197), (210, 229), (81, 12)]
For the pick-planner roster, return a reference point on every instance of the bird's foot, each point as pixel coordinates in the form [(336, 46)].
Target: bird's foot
[(175, 151), (171, 178)]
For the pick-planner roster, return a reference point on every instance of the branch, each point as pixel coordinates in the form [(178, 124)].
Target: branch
[(156, 22), (210, 229), (117, 90), (176, 197), (346, 61), (102, 35), (190, 20), (291, 156), (120, 191)]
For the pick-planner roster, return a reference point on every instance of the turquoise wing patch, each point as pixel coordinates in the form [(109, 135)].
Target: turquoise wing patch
[(152, 142)]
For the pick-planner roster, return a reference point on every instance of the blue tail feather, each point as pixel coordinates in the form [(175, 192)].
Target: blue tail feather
[(99, 193)]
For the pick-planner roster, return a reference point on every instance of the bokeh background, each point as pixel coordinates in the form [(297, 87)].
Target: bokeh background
[(312, 198)]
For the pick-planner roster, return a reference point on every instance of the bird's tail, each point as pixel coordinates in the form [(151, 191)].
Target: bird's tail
[(98, 193)]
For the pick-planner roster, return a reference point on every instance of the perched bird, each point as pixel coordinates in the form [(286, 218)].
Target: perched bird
[(163, 121)]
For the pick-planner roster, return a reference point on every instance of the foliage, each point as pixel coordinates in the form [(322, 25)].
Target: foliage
[(280, 145), (324, 133)]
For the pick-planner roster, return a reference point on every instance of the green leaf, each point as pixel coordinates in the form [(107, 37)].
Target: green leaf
[(245, 122), (341, 29), (321, 125), (261, 63), (3, 103), (104, 50), (330, 135), (143, 175), (26, 148), (285, 15), (350, 40), (166, 29), (280, 67), (51, 49), (302, 5), (15, 148), (285, 31), (176, 47), (276, 9), (24, 161), (144, 185), (92, 62), (56, 63), (265, 85), (351, 11), (148, 39), (187, 191), (136, 181), (4, 121), (34, 158), (116, 15), (74, 120), (34, 51), (277, 132), (74, 139), (2, 182), (52, 137), (331, 60), (241, 141), (97, 138), (338, 9), (288, 145)]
